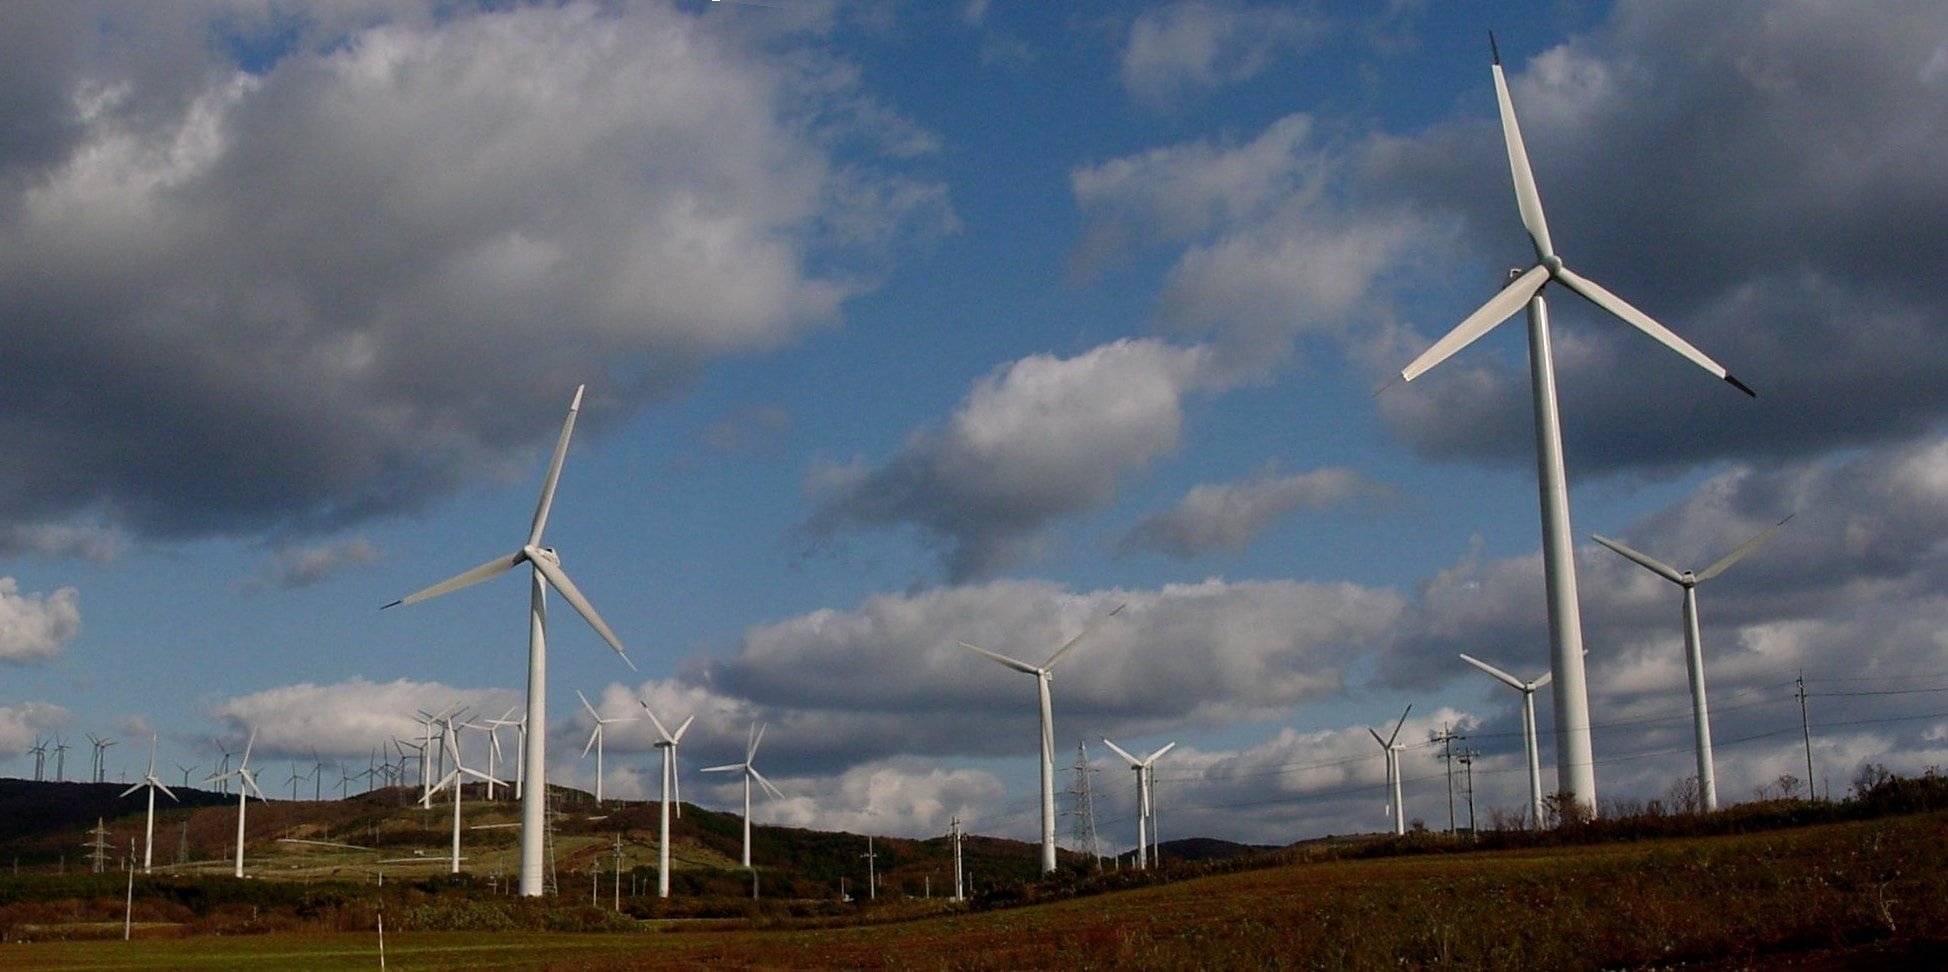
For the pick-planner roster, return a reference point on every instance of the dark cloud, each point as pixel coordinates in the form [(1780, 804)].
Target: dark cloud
[(347, 279)]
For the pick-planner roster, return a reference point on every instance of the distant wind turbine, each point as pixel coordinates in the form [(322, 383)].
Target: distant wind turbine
[(1392, 746), (1575, 757), (546, 572), (1042, 674), (455, 778), (152, 784), (1529, 741), (1146, 807), (595, 739), (673, 787), (750, 771), (246, 785), (1693, 644)]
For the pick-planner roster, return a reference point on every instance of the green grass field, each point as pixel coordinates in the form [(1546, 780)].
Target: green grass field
[(1874, 889)]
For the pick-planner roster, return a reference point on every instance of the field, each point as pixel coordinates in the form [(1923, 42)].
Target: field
[(1866, 891)]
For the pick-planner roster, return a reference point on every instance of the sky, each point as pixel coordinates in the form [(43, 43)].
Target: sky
[(905, 324)]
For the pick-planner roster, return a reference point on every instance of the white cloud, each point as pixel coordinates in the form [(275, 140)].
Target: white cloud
[(1189, 46), (295, 566), (36, 627), (23, 723), (1037, 440), (1227, 517), (350, 718)]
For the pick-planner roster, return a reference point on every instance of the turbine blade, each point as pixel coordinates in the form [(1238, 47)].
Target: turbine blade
[(164, 787), (1546, 678), (1019, 666), (554, 470), (1376, 736), (478, 775), (251, 778), (573, 595), (658, 723), (492, 568), (676, 780), (1595, 294), (722, 769), (680, 730), (592, 737), (756, 738), (1084, 633), (1166, 748), (134, 788), (585, 705), (1120, 751), (1642, 559), (1739, 554), (776, 794), (245, 761), (1397, 725), (1499, 308), (1499, 675), (1526, 197)]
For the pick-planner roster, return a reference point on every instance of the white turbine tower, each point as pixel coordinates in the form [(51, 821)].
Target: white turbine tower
[(1146, 798), (1392, 747), (455, 778), (246, 784), (1575, 759), (1529, 742), (545, 573), (672, 787), (595, 740), (1042, 673), (1693, 645), (149, 780), (750, 773)]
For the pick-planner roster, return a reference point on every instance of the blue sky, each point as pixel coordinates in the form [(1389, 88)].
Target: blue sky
[(905, 324)]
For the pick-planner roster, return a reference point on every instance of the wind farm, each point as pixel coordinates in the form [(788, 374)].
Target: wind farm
[(1092, 371)]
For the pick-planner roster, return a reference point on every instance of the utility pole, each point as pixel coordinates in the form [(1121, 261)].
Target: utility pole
[(1806, 730), (872, 874), (1083, 789), (618, 888), (1467, 758), (1447, 738)]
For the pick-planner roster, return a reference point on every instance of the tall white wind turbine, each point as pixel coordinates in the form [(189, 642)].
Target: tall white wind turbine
[(149, 781), (1392, 746), (750, 772), (1146, 798), (595, 739), (545, 573), (246, 785), (1042, 674), (674, 787), (1575, 760), (1693, 644), (1529, 741)]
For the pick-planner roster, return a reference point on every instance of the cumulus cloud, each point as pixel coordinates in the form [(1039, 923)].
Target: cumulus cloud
[(23, 723), (295, 566), (301, 274), (1192, 46), (350, 718), (1036, 440), (1227, 517), (36, 627)]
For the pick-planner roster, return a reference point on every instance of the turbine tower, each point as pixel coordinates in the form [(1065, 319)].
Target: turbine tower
[(149, 780), (455, 778), (1575, 758), (672, 787), (1529, 742), (246, 785), (1042, 673), (750, 772), (1392, 747), (545, 573), (1693, 645), (1146, 806)]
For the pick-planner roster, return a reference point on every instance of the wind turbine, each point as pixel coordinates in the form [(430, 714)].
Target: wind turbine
[(1575, 758), (545, 573), (1693, 645), (1146, 808), (750, 773), (149, 780), (246, 784), (1042, 673), (1392, 747), (595, 739), (672, 785), (455, 779), (1529, 742)]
